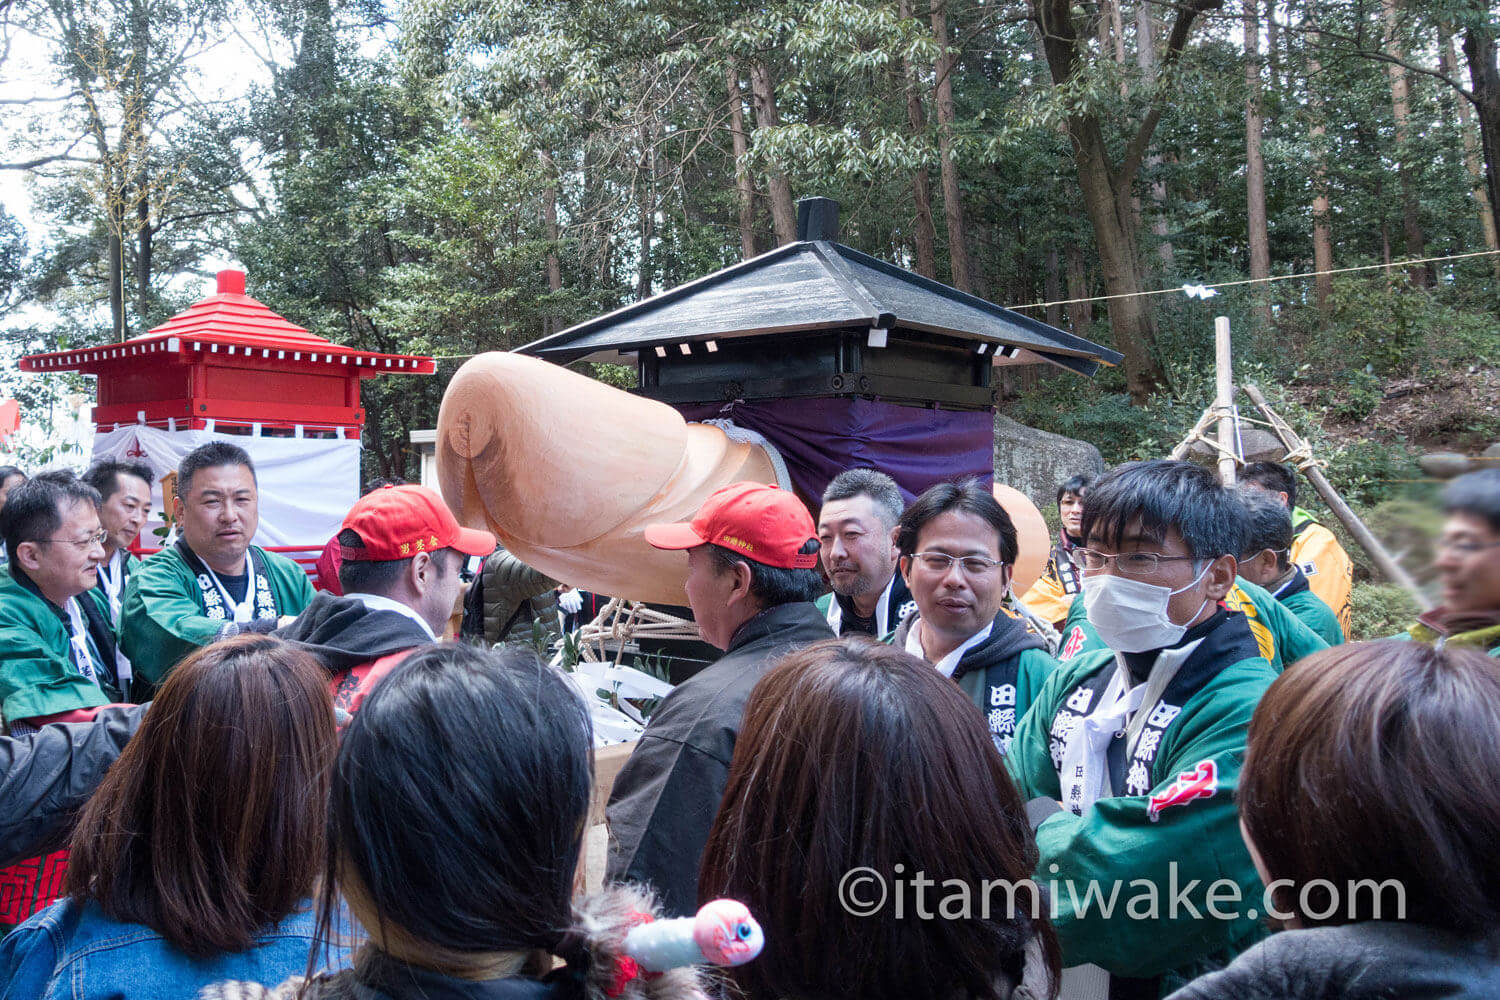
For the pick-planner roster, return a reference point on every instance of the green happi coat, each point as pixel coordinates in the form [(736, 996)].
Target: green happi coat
[(1001, 675), (1133, 840), (1314, 612), (1282, 636), (164, 618), (37, 674)]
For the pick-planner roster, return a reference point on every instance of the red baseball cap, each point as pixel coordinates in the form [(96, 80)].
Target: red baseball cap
[(397, 522), (767, 524)]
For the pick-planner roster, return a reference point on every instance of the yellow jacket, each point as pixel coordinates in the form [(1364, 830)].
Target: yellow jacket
[(1328, 568), (1051, 597)]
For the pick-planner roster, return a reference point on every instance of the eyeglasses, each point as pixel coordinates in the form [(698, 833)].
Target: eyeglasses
[(1464, 547), (1129, 563), (97, 538), (940, 562)]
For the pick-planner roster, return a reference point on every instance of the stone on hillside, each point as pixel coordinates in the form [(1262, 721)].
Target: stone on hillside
[(1036, 462), (1259, 446), (1445, 464)]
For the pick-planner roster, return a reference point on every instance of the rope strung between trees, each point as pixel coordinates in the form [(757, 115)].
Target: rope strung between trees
[(1392, 266)]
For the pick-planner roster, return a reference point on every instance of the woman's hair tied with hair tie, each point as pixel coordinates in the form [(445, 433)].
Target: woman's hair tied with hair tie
[(572, 946)]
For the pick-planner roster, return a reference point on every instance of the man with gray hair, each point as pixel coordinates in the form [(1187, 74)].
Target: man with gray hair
[(1267, 563), (857, 532)]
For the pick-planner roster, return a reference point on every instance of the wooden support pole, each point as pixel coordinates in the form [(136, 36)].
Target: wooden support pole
[(1224, 399), (1181, 451), (1387, 565)]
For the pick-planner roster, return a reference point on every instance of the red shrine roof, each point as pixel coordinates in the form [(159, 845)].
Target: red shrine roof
[(231, 324)]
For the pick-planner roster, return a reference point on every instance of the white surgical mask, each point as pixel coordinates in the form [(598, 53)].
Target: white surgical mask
[(1130, 615)]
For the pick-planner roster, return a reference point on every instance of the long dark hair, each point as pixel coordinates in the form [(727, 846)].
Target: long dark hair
[(1377, 761), (856, 755), (459, 802), (209, 827)]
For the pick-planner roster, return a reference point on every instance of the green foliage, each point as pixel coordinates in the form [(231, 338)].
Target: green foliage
[(47, 407), (1352, 396), (1367, 472), (619, 376), (1387, 328), (1408, 526), (13, 246), (1387, 325), (481, 173), (545, 642), (1379, 611)]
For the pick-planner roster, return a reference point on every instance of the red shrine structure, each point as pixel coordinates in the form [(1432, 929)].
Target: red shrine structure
[(229, 368), (229, 361)]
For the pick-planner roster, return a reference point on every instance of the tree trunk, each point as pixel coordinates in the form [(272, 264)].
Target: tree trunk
[(144, 245), (1255, 168), (1448, 63), (646, 210), (1080, 313), (1106, 187), (1411, 224), (1145, 55), (1480, 54), (551, 322), (1112, 37), (593, 239), (1322, 229), (953, 210), (1129, 315), (1053, 289), (743, 185), (1114, 41), (135, 156), (924, 232), (783, 213), (115, 225)]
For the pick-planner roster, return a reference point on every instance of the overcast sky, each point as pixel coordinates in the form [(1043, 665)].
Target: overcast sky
[(226, 69)]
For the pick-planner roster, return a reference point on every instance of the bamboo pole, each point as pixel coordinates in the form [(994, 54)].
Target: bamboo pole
[(1387, 565), (1224, 399)]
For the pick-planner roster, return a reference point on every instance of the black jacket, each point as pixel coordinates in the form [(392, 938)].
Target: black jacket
[(1000, 651), (1372, 960), (47, 776), (668, 792), (998, 675), (342, 633)]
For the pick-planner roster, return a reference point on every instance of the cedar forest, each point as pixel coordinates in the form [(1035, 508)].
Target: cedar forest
[(452, 176)]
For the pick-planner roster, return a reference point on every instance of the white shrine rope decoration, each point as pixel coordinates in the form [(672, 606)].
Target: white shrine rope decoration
[(602, 645), (744, 435)]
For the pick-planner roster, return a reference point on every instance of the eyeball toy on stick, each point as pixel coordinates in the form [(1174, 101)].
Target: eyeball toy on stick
[(722, 933)]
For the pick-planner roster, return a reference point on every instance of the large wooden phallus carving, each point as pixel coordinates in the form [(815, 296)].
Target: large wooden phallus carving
[(567, 471)]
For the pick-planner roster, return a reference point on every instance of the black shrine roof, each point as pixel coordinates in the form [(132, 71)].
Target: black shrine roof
[(813, 285)]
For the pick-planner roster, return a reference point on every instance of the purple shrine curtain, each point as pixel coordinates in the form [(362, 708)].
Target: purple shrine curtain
[(821, 437)]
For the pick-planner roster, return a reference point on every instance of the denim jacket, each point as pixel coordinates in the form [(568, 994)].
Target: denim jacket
[(73, 951)]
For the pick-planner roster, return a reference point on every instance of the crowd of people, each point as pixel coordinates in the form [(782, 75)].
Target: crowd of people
[(1158, 771)]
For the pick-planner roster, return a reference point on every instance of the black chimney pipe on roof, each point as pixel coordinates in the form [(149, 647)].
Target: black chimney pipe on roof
[(818, 219)]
